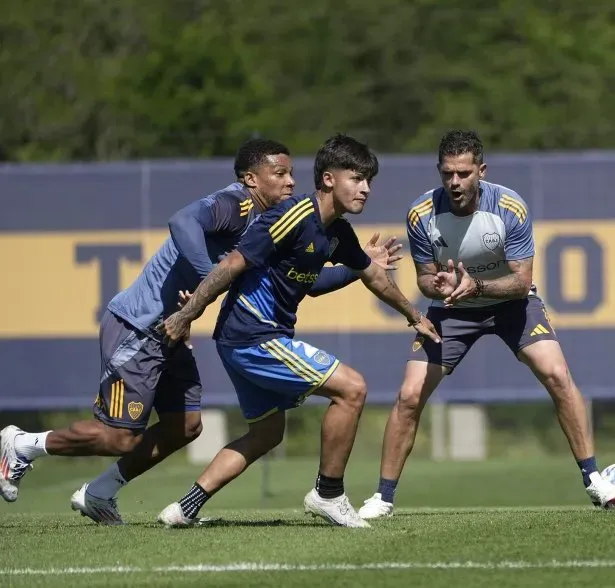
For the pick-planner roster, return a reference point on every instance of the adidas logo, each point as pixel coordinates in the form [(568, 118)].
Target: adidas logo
[(310, 248), (539, 330), (440, 242)]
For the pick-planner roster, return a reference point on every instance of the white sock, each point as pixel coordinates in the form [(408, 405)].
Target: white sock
[(31, 445), (107, 484)]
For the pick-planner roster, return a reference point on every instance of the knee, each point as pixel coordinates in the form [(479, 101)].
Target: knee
[(355, 391), (409, 402), (122, 441), (193, 426), (267, 435), (556, 377)]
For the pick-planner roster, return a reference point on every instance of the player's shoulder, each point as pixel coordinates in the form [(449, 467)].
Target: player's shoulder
[(235, 195), (504, 202), (423, 206), (288, 215)]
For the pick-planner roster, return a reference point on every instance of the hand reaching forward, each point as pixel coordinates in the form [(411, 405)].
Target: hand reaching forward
[(384, 255)]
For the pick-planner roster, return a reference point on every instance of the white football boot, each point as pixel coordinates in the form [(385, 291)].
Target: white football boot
[(173, 516), (100, 510), (375, 507), (601, 492), (13, 467), (337, 511)]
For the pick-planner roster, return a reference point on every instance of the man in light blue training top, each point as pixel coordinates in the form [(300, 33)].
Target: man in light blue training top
[(139, 372), (473, 249)]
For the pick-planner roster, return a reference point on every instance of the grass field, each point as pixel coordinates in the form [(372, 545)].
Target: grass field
[(495, 523)]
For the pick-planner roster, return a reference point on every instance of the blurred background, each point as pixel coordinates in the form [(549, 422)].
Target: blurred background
[(115, 114)]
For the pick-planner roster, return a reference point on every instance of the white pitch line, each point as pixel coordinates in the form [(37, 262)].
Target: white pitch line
[(282, 567)]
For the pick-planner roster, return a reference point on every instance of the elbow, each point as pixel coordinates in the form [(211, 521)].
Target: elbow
[(524, 287), (175, 222)]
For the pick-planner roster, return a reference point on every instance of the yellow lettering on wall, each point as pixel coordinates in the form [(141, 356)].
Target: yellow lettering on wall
[(46, 293)]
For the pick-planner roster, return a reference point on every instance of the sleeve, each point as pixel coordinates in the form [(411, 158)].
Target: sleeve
[(420, 246), (331, 279), (519, 240), (188, 228), (348, 250)]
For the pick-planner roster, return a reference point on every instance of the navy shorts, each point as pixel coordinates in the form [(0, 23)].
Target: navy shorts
[(139, 373), (518, 323), (276, 375)]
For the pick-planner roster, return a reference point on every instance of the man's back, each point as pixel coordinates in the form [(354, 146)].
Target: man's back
[(219, 220)]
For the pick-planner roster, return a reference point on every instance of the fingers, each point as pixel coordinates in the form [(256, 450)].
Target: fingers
[(450, 266), (374, 239), (462, 270)]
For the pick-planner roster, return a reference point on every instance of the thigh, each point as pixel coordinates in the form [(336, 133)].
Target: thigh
[(276, 375), (521, 323), (130, 370), (179, 388), (458, 330)]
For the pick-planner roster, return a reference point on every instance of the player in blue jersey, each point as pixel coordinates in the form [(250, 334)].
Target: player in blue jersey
[(138, 371), (281, 255), (473, 250)]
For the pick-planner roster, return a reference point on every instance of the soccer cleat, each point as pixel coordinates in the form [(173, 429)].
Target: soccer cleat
[(173, 517), (337, 511), (100, 510), (375, 507), (601, 492), (13, 467)]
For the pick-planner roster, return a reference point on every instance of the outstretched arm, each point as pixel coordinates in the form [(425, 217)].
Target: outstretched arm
[(337, 277), (177, 326), (380, 283)]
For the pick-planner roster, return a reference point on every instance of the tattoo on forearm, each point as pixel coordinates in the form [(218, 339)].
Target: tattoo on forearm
[(207, 291), (393, 296)]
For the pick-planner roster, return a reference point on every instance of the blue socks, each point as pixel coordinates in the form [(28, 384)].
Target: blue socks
[(387, 489), (587, 466)]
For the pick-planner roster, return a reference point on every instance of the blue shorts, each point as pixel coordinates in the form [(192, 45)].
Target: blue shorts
[(275, 375)]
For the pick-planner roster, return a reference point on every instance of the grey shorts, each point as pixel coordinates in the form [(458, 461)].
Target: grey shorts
[(518, 323), (138, 373)]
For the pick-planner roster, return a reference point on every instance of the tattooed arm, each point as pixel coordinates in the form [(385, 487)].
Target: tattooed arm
[(177, 326), (382, 285), (514, 285)]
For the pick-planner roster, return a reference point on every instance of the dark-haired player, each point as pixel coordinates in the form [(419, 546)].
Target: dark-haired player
[(270, 272), (473, 250)]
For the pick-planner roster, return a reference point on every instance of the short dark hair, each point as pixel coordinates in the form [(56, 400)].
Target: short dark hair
[(458, 142), (344, 152), (253, 152)]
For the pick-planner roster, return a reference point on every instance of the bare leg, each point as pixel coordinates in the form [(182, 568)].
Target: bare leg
[(420, 380)]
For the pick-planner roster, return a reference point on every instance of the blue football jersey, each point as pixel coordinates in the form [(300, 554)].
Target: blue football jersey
[(286, 247)]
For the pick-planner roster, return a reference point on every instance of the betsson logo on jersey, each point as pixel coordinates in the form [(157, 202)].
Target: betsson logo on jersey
[(476, 269), (303, 277)]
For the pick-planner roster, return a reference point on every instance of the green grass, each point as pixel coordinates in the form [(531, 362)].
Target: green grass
[(498, 514)]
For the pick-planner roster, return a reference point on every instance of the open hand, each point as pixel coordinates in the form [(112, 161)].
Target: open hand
[(385, 255)]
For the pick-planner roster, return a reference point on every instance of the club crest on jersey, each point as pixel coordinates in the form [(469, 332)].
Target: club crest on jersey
[(418, 343), (135, 409), (492, 241), (322, 357), (333, 245)]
